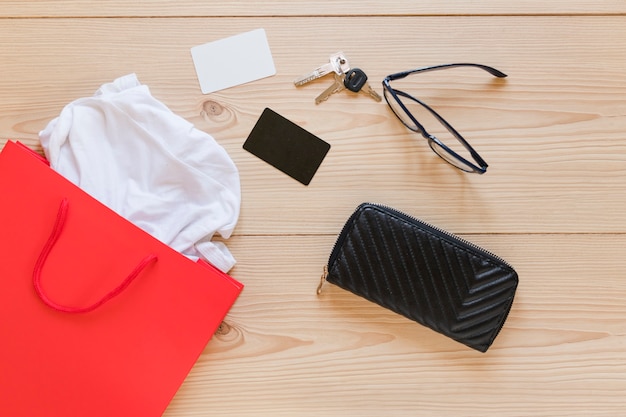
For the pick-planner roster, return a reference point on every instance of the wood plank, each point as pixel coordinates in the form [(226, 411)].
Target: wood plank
[(285, 351), (150, 8), (552, 132)]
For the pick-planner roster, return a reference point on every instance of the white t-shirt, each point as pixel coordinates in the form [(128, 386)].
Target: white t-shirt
[(154, 168)]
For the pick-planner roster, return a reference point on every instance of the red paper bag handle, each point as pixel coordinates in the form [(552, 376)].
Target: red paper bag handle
[(54, 236)]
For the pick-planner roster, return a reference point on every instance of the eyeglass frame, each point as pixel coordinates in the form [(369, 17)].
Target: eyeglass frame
[(480, 166)]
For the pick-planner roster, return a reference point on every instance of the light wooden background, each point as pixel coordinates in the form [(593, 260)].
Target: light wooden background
[(552, 202)]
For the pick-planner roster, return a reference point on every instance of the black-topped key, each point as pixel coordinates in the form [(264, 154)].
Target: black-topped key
[(356, 81)]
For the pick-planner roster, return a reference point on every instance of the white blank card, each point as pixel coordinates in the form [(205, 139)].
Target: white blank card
[(233, 61)]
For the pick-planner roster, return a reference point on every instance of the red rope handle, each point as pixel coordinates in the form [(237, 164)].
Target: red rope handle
[(54, 236)]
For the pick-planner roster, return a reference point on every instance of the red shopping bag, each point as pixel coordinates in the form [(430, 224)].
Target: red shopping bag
[(97, 318)]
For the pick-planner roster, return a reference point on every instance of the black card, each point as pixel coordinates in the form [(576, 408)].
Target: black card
[(286, 146)]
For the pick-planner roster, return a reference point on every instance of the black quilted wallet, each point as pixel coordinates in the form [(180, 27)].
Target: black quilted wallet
[(423, 273)]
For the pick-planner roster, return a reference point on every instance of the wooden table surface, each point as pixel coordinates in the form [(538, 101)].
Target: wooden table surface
[(551, 203)]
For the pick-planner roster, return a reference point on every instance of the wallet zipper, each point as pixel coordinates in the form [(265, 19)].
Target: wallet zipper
[(439, 231), (434, 229)]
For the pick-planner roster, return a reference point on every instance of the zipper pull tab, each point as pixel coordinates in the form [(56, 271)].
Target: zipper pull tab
[(322, 280)]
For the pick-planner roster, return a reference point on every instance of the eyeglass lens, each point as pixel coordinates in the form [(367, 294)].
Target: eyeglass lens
[(399, 111), (432, 126)]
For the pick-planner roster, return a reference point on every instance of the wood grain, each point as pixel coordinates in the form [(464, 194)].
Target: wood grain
[(151, 8), (552, 132), (552, 202)]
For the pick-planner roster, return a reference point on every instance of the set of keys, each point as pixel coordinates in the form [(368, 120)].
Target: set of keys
[(345, 78)]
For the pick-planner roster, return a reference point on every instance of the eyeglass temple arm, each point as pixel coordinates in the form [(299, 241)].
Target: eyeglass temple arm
[(490, 70)]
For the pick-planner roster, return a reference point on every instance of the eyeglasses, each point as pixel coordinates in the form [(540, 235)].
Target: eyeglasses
[(456, 150)]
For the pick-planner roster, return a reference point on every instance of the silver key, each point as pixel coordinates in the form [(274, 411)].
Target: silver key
[(337, 63), (367, 89), (336, 87)]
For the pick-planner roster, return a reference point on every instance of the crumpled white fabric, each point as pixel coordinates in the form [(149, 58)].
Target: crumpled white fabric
[(154, 168)]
